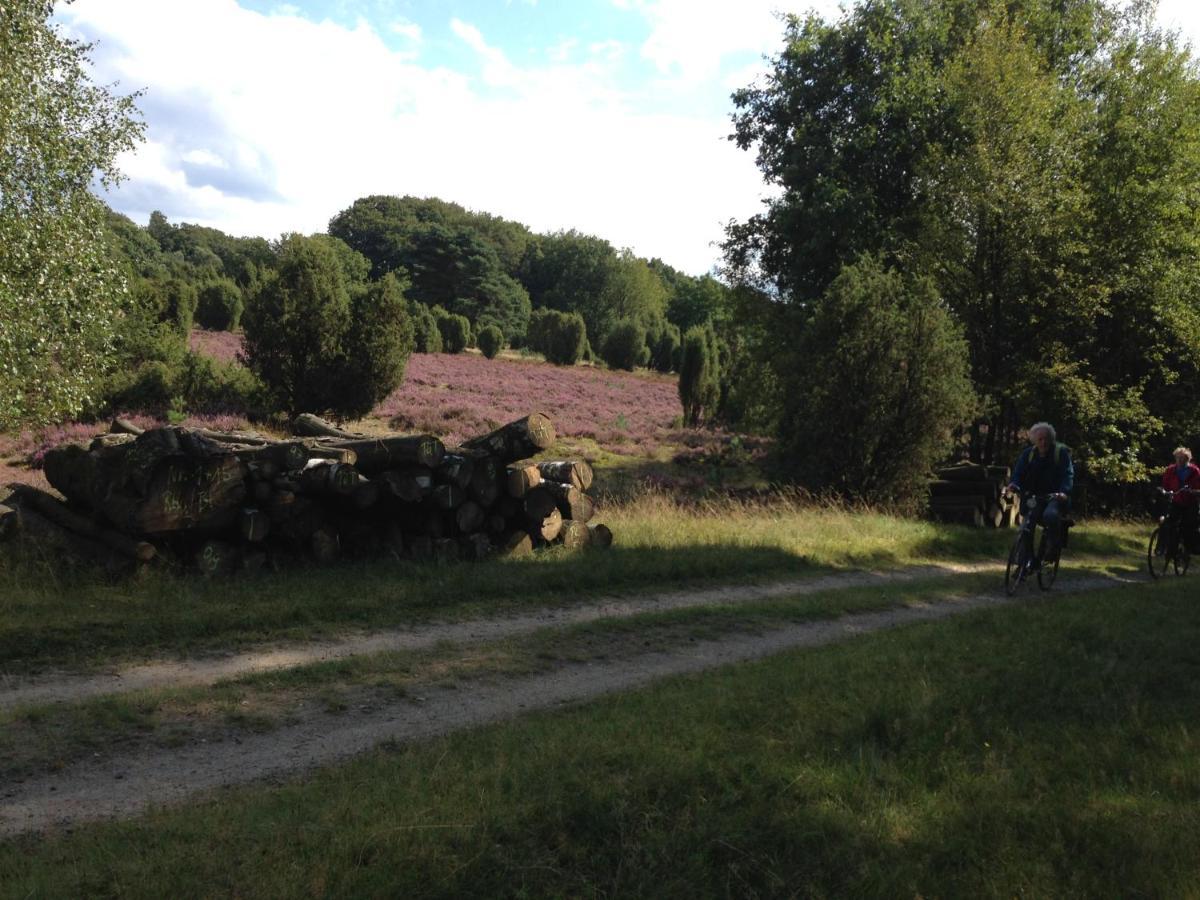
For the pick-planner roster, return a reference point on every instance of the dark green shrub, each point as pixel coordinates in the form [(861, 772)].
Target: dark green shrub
[(427, 337), (172, 299), (625, 346), (377, 347), (321, 342), (878, 382), (699, 375), (491, 341), (455, 329), (664, 343), (558, 336), (219, 305)]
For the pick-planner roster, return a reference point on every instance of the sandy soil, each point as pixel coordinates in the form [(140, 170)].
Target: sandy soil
[(124, 785)]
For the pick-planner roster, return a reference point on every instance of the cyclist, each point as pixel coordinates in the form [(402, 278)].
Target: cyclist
[(1044, 468), (1179, 478)]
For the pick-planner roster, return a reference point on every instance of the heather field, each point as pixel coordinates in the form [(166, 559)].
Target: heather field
[(626, 422)]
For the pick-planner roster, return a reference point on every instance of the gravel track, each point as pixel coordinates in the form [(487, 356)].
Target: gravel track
[(23, 691), (125, 785)]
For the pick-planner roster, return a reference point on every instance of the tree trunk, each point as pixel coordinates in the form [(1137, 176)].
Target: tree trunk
[(475, 546), (548, 527), (456, 470), (10, 522), (573, 503), (254, 525), (469, 517), (329, 479), (325, 545), (538, 503), (377, 454), (523, 480), (517, 440), (602, 536), (308, 425), (517, 544), (574, 535), (577, 473), (411, 485), (124, 426), (216, 558)]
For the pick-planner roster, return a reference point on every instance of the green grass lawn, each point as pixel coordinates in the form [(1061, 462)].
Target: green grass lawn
[(54, 618), (1041, 749)]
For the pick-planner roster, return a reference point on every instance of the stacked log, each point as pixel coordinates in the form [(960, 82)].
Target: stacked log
[(972, 494), (237, 500)]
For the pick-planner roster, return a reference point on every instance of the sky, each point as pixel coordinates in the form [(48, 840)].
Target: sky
[(610, 117)]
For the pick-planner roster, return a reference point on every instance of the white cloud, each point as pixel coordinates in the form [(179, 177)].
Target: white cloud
[(405, 28), (690, 38), (265, 124)]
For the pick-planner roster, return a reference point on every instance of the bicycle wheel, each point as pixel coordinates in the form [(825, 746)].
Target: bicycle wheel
[(1015, 571), (1048, 570), (1181, 559), (1156, 562)]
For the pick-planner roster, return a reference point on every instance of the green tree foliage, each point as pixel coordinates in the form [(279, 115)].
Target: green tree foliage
[(219, 305), (427, 337), (1037, 160), (491, 341), (377, 346), (455, 330), (465, 262), (625, 346), (573, 272), (663, 340), (560, 337), (175, 300), (61, 294), (321, 342), (695, 301), (699, 375), (885, 375)]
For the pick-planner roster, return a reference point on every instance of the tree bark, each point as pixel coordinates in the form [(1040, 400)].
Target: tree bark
[(538, 503), (308, 425), (410, 485), (576, 473), (522, 480), (574, 535), (217, 558), (10, 521), (375, 455), (602, 536), (548, 527), (573, 503), (517, 440), (517, 544)]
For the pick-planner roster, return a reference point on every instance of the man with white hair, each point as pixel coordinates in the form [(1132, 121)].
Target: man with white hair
[(1044, 468)]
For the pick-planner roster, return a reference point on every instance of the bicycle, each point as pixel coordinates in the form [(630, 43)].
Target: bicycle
[(1174, 549), (1021, 560)]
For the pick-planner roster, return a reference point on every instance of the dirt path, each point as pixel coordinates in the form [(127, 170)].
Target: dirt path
[(21, 691), (125, 785)]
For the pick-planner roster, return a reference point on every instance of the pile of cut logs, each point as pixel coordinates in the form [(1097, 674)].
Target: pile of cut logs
[(972, 494), (231, 500)]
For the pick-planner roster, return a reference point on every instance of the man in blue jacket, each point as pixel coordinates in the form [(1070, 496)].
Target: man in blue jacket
[(1044, 468)]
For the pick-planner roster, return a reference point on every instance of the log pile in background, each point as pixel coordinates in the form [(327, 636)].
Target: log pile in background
[(973, 494), (238, 500)]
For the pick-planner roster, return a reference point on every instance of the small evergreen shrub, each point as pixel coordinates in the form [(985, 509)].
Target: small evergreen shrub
[(491, 341), (625, 346), (219, 305)]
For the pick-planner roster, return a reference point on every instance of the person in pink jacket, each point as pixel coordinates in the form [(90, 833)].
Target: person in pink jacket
[(1183, 478)]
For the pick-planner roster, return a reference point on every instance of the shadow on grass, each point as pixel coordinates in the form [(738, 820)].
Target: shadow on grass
[(51, 617)]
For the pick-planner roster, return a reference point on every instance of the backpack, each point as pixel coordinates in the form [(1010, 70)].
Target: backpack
[(1059, 450)]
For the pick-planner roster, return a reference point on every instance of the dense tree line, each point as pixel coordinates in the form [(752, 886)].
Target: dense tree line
[(1025, 173)]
